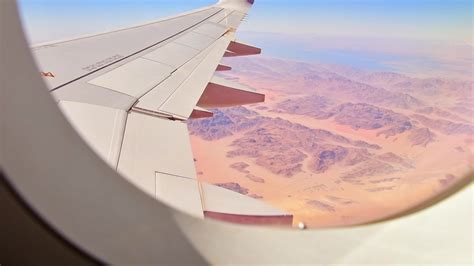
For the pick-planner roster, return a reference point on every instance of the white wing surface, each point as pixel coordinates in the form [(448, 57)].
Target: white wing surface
[(130, 92)]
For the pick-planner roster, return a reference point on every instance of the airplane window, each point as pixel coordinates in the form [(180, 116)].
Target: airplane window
[(364, 116)]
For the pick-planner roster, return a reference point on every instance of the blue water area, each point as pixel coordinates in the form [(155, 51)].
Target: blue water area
[(288, 47), (361, 60)]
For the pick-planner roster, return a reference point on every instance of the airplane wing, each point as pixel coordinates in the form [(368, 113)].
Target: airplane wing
[(130, 92)]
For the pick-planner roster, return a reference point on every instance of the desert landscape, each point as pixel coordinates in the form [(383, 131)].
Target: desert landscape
[(336, 145)]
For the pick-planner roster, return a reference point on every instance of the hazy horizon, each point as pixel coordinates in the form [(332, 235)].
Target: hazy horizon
[(295, 29), (449, 21)]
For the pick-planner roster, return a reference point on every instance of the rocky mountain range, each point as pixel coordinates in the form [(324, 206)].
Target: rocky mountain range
[(280, 145), (337, 145)]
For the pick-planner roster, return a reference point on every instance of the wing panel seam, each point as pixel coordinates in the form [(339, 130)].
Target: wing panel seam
[(133, 54)]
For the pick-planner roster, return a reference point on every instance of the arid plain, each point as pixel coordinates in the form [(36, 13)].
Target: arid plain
[(336, 145)]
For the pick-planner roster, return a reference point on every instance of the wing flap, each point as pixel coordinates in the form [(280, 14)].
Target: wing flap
[(182, 102), (104, 133), (181, 193), (221, 200), (151, 145), (155, 99)]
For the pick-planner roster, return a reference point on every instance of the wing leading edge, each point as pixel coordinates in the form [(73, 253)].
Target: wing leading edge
[(140, 85)]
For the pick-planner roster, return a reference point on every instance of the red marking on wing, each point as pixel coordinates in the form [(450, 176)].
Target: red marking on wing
[(47, 74)]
